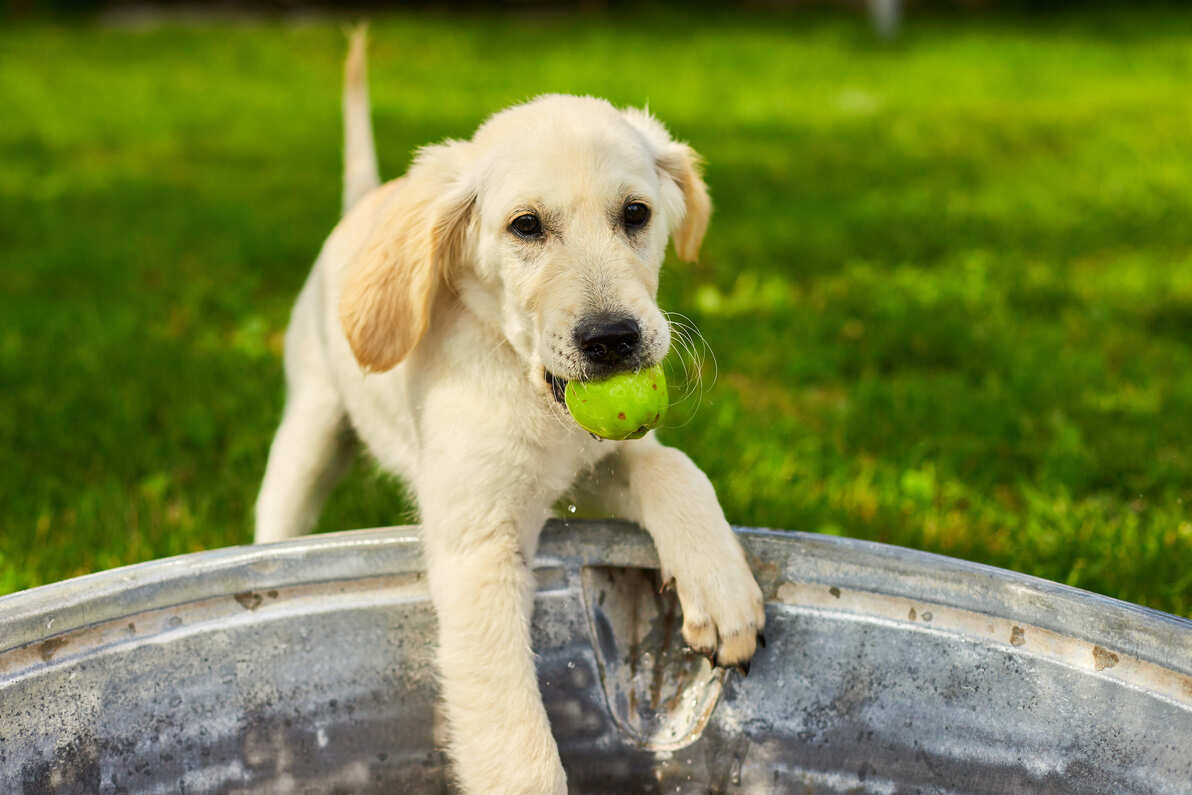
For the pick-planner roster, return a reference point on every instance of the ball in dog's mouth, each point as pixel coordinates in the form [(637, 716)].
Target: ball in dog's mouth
[(625, 405)]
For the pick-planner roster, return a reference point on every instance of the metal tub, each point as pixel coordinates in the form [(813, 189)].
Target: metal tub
[(306, 666)]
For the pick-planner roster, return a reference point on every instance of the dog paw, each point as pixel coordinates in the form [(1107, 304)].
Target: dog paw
[(723, 609)]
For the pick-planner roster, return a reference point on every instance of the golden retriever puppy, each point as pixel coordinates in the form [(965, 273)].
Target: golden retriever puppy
[(441, 320)]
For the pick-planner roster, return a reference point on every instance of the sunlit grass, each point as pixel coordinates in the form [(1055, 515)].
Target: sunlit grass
[(948, 284)]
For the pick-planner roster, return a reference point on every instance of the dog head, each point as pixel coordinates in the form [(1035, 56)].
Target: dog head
[(551, 224)]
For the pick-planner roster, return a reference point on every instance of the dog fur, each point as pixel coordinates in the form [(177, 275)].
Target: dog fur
[(428, 332)]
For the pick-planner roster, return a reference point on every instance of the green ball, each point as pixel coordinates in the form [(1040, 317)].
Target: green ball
[(625, 406)]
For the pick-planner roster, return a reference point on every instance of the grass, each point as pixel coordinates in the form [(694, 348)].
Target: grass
[(948, 283)]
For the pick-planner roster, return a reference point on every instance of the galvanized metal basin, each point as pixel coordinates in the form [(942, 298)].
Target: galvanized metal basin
[(306, 667)]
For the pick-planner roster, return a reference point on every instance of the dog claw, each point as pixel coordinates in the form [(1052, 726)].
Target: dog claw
[(761, 640), (665, 583), (743, 667)]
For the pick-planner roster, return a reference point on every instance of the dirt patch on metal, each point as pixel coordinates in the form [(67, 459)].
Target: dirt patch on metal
[(1103, 658)]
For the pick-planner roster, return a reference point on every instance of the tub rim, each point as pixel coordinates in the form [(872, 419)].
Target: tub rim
[(777, 556)]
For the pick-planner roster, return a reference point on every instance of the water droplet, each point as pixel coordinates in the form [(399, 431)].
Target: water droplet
[(571, 664), (570, 509)]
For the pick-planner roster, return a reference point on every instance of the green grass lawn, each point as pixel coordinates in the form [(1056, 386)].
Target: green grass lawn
[(948, 283)]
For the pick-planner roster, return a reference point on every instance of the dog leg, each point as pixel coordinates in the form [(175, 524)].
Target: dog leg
[(661, 489), (312, 450), (477, 535)]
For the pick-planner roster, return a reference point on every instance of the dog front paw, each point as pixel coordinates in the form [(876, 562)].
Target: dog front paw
[(723, 608)]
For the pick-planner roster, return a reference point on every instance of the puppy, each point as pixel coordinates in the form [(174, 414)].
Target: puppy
[(442, 318)]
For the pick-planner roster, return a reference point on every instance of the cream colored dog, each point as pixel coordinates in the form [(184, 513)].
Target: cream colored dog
[(442, 318)]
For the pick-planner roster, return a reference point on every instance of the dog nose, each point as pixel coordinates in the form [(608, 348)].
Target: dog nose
[(608, 339)]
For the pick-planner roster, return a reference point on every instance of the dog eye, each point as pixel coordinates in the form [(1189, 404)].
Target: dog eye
[(526, 225), (635, 215)]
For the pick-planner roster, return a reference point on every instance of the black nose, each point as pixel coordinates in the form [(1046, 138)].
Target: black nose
[(608, 339)]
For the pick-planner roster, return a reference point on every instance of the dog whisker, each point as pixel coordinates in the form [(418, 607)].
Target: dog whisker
[(693, 351)]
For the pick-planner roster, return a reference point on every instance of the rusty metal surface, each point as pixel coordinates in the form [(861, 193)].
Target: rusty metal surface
[(306, 667)]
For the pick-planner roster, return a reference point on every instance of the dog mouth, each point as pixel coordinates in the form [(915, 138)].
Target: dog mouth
[(557, 386)]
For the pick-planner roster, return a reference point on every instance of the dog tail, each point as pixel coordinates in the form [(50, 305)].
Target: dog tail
[(360, 153)]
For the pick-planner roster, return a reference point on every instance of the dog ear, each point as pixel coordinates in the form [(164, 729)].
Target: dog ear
[(682, 164), (391, 283), (685, 196)]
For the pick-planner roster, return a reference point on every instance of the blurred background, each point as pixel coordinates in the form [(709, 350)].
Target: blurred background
[(947, 285)]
